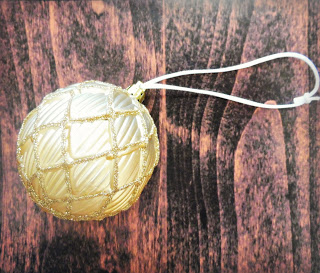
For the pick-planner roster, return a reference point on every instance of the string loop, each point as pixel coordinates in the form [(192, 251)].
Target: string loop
[(298, 101)]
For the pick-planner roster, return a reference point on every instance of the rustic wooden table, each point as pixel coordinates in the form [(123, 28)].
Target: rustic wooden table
[(237, 188)]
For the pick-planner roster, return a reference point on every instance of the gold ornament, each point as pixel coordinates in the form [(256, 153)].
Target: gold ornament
[(87, 151)]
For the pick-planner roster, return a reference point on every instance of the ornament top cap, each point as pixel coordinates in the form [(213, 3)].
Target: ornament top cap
[(136, 91)]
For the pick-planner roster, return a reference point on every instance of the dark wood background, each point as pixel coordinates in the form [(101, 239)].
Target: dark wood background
[(237, 188)]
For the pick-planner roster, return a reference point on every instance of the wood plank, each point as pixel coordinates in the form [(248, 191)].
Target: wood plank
[(314, 134), (237, 188), (261, 196)]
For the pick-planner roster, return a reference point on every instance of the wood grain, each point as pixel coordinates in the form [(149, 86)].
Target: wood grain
[(237, 189)]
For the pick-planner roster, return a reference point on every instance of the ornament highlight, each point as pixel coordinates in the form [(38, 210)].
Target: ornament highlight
[(87, 151)]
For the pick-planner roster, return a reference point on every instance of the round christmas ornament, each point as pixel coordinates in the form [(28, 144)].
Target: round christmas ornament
[(88, 150)]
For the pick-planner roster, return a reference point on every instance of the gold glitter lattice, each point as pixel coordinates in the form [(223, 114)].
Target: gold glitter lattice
[(87, 151)]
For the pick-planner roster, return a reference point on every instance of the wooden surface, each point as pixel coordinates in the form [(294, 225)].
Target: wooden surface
[(237, 189)]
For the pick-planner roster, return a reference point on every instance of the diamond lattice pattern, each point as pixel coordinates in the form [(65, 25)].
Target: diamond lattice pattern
[(87, 151)]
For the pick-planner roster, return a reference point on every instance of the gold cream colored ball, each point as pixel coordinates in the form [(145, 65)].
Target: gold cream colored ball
[(87, 151)]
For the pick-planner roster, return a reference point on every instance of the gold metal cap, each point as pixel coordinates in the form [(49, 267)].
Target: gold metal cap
[(136, 91)]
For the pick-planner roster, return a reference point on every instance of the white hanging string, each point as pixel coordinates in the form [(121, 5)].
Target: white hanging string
[(304, 99)]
